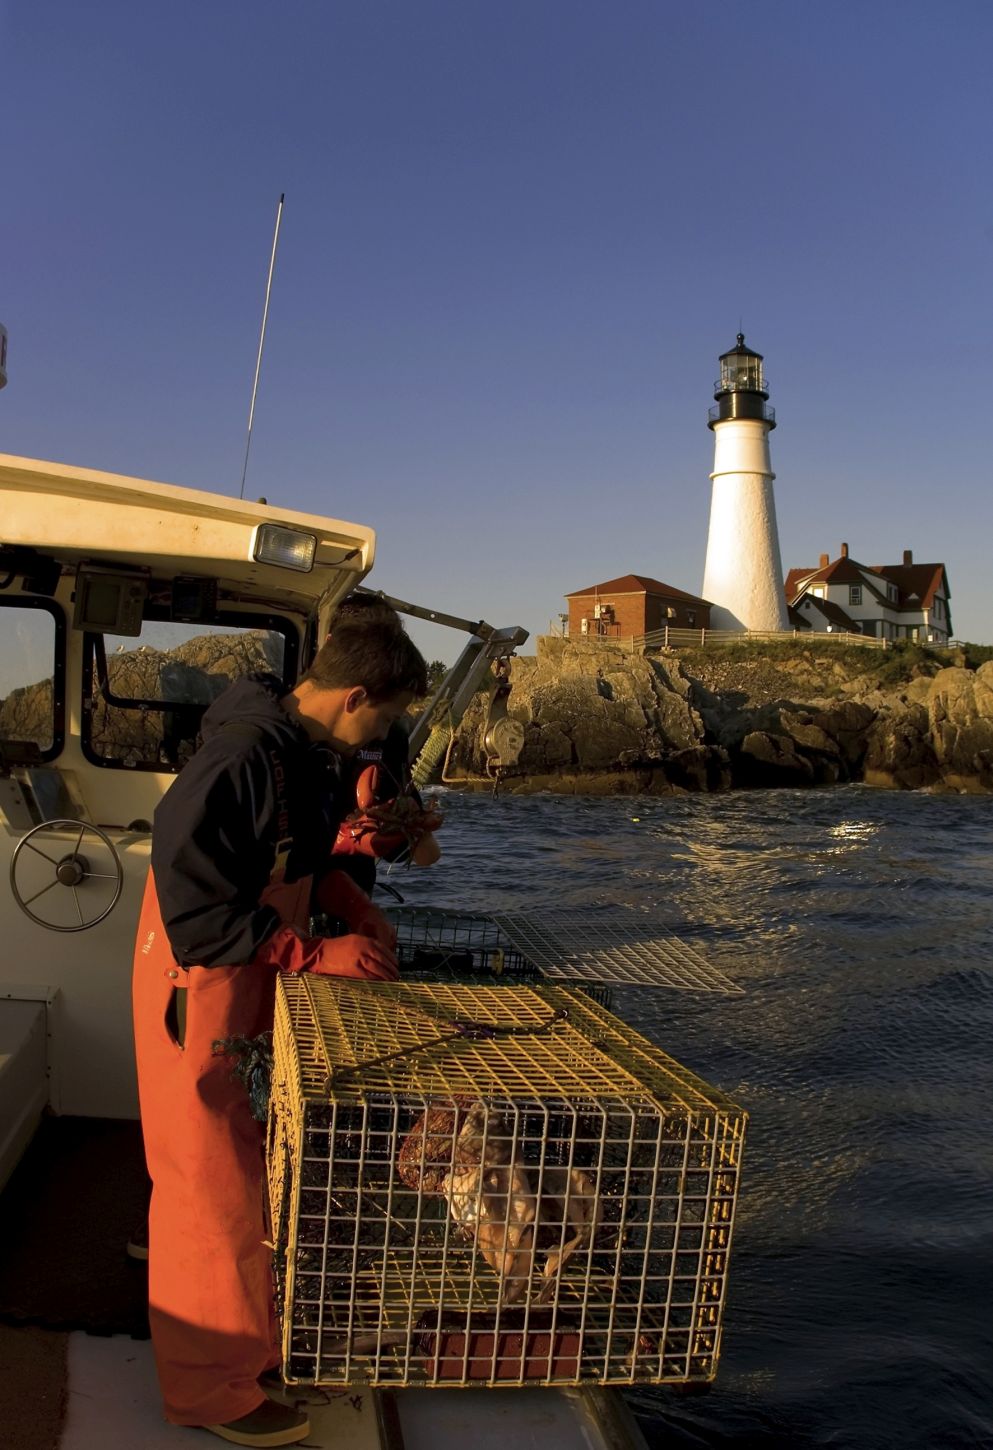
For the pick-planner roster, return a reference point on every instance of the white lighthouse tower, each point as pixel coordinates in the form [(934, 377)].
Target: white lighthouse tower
[(743, 576)]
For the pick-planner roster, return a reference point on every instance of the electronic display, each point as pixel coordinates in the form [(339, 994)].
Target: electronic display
[(109, 603)]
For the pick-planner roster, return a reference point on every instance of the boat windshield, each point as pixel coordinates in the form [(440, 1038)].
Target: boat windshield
[(32, 694), (144, 697)]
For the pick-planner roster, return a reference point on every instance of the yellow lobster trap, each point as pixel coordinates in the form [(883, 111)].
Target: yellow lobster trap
[(499, 1185)]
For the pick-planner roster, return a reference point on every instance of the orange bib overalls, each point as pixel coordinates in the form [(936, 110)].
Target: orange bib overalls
[(209, 1268)]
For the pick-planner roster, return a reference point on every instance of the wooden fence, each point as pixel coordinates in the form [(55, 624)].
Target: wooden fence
[(699, 638), (670, 638)]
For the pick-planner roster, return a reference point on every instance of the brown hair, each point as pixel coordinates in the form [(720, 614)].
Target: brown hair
[(376, 655), (365, 607)]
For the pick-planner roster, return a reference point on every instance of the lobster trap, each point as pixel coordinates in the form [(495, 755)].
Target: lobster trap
[(593, 949), (492, 1184)]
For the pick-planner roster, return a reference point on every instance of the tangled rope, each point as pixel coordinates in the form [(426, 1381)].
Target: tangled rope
[(253, 1067), (462, 1029)]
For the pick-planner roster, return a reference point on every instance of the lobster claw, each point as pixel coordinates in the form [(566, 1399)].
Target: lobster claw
[(366, 788)]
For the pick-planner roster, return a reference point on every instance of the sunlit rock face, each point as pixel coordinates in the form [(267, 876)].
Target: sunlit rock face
[(600, 721), (960, 718)]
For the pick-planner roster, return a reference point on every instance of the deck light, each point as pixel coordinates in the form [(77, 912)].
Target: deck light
[(286, 548)]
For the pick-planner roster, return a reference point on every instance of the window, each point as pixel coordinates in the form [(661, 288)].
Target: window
[(144, 698), (855, 593), (691, 617), (32, 680)]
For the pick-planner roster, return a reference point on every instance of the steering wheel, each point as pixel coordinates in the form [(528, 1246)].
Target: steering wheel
[(71, 870)]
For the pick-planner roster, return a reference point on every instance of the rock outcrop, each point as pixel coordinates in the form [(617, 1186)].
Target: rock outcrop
[(960, 717), (599, 721), (602, 722)]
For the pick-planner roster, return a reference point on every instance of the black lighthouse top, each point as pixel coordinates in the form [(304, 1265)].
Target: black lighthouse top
[(741, 390)]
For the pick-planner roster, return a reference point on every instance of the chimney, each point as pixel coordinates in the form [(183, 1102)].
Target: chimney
[(844, 551), (908, 556), (825, 561)]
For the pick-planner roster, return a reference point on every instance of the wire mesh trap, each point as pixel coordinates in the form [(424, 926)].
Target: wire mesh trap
[(453, 946), (622, 946), (435, 945), (493, 1185)]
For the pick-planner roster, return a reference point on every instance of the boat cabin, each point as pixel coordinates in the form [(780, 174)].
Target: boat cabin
[(127, 606)]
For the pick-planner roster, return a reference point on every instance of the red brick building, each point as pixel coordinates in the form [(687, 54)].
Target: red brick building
[(633, 605)]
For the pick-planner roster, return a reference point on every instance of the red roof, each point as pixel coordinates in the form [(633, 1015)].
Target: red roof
[(637, 584), (794, 579), (842, 571), (924, 580), (920, 580)]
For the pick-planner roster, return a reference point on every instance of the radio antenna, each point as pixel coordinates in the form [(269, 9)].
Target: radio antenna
[(258, 360)]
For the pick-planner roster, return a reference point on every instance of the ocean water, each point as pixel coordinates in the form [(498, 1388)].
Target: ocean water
[(860, 924)]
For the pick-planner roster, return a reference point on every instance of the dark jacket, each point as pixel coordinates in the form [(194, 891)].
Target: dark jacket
[(215, 832)]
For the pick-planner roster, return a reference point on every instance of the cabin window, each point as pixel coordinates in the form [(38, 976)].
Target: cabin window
[(144, 698), (32, 681)]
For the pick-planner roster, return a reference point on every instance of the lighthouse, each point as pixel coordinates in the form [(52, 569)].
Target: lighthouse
[(743, 575)]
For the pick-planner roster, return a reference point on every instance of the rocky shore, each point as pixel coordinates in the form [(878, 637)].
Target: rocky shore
[(599, 721)]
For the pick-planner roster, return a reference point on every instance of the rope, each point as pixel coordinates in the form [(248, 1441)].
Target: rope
[(432, 751), (462, 1031), (253, 1067)]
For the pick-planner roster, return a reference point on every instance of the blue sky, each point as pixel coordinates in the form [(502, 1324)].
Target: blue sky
[(516, 238)]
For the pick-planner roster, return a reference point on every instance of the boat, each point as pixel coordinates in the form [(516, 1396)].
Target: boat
[(126, 606)]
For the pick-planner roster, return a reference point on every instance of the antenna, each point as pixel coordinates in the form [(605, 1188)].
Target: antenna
[(258, 360)]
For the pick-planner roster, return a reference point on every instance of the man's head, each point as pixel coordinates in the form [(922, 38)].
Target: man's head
[(366, 609), (363, 678)]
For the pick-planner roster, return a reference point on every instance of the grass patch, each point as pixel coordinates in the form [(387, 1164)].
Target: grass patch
[(903, 661), (977, 654)]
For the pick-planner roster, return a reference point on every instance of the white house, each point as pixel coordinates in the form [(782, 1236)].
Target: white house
[(889, 601)]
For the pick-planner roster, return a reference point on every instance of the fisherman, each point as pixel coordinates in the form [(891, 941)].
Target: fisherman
[(241, 847)]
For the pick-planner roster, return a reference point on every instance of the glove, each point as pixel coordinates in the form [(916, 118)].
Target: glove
[(338, 895), (389, 829), (355, 956)]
